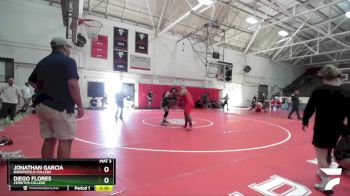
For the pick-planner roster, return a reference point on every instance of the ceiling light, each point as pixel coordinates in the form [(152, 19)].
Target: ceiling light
[(251, 20), (206, 2), (347, 14), (283, 33)]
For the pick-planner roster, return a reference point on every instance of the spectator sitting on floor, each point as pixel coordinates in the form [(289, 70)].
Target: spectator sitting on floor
[(199, 104), (253, 103), (215, 103)]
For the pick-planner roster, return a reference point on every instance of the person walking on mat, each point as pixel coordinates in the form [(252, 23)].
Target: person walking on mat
[(119, 97), (329, 120), (295, 104)]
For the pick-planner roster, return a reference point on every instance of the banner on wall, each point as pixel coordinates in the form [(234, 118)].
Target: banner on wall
[(120, 49), (120, 39), (140, 62), (141, 43), (120, 61), (99, 48)]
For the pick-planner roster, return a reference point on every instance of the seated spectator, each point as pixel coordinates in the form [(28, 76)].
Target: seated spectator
[(253, 103), (93, 103), (278, 104), (214, 103), (273, 104), (104, 101), (199, 104)]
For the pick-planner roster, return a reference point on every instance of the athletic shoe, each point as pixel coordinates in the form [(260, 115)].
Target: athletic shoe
[(290, 117), (165, 121), (120, 117), (322, 186)]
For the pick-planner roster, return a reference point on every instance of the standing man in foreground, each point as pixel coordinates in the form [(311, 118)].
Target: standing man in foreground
[(56, 80), (329, 119)]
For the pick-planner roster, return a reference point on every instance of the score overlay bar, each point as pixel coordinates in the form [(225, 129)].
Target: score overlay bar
[(61, 174)]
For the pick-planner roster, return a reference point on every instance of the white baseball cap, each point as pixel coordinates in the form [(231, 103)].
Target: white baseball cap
[(59, 41)]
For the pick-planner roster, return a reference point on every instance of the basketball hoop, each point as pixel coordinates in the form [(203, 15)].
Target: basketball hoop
[(92, 27)]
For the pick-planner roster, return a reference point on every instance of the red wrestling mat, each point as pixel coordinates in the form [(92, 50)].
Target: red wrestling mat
[(225, 154)]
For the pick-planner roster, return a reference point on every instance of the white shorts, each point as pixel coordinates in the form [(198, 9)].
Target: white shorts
[(56, 124)]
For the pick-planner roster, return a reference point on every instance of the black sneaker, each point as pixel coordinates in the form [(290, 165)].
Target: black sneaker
[(321, 189)]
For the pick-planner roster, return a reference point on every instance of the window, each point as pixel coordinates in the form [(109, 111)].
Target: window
[(6, 69)]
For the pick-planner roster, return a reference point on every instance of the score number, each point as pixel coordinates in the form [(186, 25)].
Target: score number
[(106, 169)]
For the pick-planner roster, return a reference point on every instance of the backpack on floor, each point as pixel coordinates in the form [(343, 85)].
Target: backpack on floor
[(342, 149)]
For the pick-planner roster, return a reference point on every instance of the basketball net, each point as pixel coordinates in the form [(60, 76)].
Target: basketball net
[(92, 27)]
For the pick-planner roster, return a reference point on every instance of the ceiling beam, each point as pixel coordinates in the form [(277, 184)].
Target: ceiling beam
[(99, 3), (340, 23), (124, 8), (106, 13), (298, 19), (252, 39), (298, 43), (171, 25), (269, 19), (309, 55), (150, 15), (327, 62), (290, 39), (189, 4), (175, 22), (308, 6), (165, 5), (300, 14)]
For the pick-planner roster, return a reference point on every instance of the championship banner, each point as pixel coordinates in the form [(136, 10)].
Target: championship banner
[(120, 49), (120, 61), (141, 43), (61, 174), (120, 39)]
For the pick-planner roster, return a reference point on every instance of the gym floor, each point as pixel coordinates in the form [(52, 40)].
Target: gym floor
[(225, 153)]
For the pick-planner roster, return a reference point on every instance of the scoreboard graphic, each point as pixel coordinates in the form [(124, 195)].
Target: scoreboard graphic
[(61, 174)]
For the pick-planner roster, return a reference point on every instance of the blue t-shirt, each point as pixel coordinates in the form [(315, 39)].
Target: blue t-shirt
[(51, 76)]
